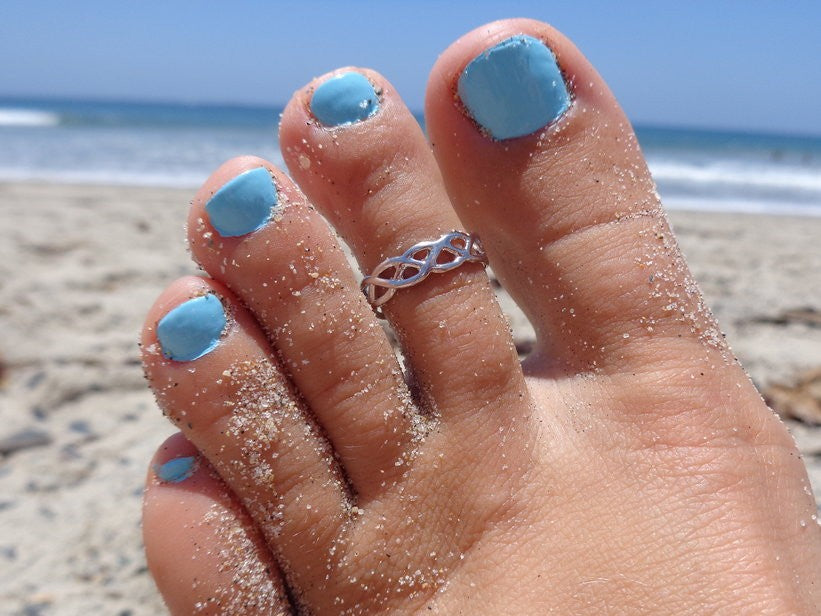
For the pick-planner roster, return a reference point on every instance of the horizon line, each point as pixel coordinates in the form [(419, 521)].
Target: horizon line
[(419, 113)]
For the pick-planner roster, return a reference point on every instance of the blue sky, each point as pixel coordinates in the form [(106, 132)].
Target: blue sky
[(735, 64)]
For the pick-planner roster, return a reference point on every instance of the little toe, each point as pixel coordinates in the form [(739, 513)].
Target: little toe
[(253, 230), (214, 375), (538, 157), (203, 549), (361, 157)]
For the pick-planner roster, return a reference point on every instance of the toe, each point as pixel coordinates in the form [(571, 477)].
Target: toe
[(365, 163), (252, 229), (538, 157), (215, 377), (203, 550)]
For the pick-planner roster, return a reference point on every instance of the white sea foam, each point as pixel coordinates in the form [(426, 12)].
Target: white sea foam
[(103, 177), (130, 144), (742, 206), (10, 116), (730, 174)]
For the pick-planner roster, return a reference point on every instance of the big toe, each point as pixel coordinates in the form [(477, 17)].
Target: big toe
[(539, 159)]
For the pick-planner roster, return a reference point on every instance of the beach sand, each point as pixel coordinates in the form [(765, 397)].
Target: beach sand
[(79, 267)]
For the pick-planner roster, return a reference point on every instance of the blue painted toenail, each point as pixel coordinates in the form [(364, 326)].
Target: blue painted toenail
[(192, 329), (176, 470), (244, 204), (514, 88), (344, 99)]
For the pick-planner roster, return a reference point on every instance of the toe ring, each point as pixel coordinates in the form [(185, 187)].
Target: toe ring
[(418, 262)]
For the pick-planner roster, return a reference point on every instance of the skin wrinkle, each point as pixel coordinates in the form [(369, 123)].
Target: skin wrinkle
[(698, 425), (344, 394), (720, 508), (603, 228), (579, 306), (210, 422), (627, 311), (665, 482), (381, 178), (652, 569), (459, 296), (313, 336), (366, 173)]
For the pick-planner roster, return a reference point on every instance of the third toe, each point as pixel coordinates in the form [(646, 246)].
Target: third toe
[(253, 230)]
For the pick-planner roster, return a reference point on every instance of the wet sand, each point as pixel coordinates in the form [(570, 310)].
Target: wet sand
[(80, 265)]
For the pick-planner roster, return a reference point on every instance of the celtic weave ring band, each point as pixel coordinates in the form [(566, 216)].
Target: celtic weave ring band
[(418, 262)]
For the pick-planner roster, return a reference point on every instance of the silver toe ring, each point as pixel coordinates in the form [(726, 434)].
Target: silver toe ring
[(418, 262)]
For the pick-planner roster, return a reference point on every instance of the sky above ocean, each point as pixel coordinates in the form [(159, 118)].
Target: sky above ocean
[(734, 64)]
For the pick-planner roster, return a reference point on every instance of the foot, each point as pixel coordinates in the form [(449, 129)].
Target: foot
[(627, 466)]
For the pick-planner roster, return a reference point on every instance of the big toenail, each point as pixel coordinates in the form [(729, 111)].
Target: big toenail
[(344, 99), (514, 88), (176, 469), (192, 329), (244, 204)]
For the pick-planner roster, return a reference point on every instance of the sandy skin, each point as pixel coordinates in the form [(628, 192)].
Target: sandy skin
[(629, 464)]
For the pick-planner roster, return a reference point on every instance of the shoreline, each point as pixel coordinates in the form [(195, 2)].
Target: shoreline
[(671, 203), (83, 263)]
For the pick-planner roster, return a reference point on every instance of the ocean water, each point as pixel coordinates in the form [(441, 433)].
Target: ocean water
[(179, 145)]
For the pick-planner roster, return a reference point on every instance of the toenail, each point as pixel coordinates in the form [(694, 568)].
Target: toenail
[(192, 329), (344, 99), (244, 204), (176, 470), (514, 88)]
